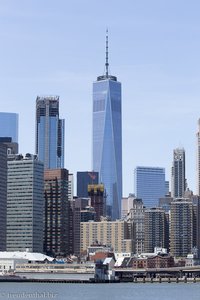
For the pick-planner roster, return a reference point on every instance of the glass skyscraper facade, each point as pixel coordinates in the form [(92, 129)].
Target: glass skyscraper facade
[(83, 180), (49, 132), (149, 185), (107, 138), (9, 125)]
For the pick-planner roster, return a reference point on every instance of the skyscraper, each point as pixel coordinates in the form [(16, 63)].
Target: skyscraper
[(198, 159), (3, 195), (25, 203), (9, 125), (12, 147), (83, 180), (156, 231), (49, 132), (178, 173), (181, 227), (136, 214), (56, 217), (127, 205), (149, 184), (107, 137), (70, 187), (76, 206), (196, 223)]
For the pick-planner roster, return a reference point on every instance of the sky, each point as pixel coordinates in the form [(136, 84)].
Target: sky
[(58, 48)]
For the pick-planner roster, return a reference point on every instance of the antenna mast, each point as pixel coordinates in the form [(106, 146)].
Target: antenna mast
[(106, 67), (107, 64)]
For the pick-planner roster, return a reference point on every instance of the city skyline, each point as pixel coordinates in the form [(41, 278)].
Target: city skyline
[(154, 53)]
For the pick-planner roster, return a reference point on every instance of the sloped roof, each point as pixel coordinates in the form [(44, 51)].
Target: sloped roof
[(119, 261), (125, 261), (32, 256), (107, 260)]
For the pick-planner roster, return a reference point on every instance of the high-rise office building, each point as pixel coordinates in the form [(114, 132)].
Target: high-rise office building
[(165, 203), (83, 180), (149, 185), (196, 223), (156, 229), (49, 132), (79, 209), (178, 173), (126, 205), (12, 147), (167, 192), (181, 227), (56, 216), (9, 125), (70, 187), (198, 159), (3, 195), (88, 214), (107, 137), (136, 215), (25, 203)]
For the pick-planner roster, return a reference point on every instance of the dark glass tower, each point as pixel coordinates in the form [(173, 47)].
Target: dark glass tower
[(49, 132), (107, 137), (83, 180)]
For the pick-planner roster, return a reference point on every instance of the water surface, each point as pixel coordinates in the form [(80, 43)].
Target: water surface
[(122, 291)]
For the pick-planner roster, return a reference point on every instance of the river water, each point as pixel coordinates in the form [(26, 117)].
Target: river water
[(121, 291)]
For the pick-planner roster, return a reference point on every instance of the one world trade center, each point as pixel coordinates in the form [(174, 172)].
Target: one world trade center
[(107, 137)]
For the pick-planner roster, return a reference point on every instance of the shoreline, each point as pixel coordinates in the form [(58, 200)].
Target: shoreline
[(93, 281)]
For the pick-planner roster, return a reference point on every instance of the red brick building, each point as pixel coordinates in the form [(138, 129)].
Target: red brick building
[(151, 262)]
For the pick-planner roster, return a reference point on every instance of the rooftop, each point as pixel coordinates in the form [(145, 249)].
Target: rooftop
[(32, 256)]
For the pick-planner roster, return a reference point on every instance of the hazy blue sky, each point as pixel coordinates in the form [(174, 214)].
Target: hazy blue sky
[(57, 48)]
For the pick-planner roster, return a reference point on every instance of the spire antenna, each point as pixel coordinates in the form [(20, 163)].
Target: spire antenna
[(106, 70), (107, 64)]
